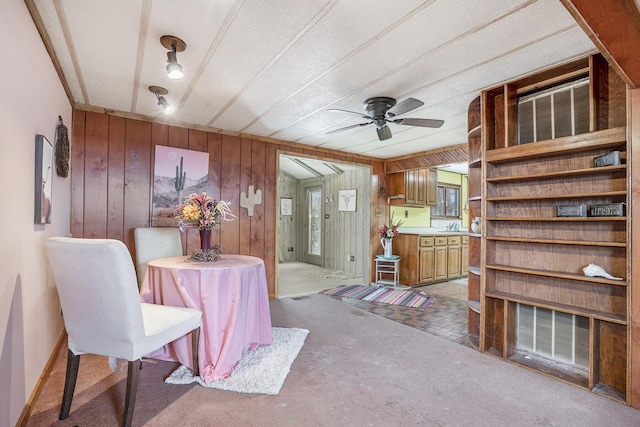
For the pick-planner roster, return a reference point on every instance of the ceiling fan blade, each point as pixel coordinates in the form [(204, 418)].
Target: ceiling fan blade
[(384, 133), (339, 110), (349, 127), (425, 123), (404, 107)]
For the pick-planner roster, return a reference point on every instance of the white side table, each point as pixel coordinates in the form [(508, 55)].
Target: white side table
[(387, 271)]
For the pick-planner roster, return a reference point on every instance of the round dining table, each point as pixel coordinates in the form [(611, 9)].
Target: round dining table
[(233, 297)]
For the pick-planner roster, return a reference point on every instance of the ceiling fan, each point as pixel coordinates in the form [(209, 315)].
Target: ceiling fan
[(381, 110)]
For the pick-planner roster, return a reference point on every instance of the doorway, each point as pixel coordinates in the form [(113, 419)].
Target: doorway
[(313, 233), (320, 243)]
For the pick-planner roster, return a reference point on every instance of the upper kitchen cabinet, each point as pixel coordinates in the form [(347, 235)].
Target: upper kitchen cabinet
[(419, 187)]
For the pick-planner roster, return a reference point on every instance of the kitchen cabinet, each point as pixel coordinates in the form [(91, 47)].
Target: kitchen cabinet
[(454, 255), (430, 258), (427, 260), (464, 255), (432, 187), (419, 187), (441, 262)]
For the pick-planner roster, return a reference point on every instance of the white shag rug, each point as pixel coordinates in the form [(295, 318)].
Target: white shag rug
[(262, 370)]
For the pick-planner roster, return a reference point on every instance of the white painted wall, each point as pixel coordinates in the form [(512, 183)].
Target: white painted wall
[(31, 98)]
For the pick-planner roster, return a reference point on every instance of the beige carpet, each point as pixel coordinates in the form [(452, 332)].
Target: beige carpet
[(355, 369)]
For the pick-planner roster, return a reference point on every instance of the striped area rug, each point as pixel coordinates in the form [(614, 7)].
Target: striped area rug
[(382, 294)]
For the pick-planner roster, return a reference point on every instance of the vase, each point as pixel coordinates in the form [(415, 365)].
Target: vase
[(475, 225), (205, 239), (387, 246)]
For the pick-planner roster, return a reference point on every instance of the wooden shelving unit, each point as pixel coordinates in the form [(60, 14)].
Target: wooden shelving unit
[(529, 255), (475, 210)]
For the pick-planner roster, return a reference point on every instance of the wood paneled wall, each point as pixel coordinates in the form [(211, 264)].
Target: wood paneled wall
[(112, 181), (344, 233), (428, 159), (287, 231)]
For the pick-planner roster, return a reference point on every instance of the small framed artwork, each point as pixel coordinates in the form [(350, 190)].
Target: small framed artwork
[(43, 173), (286, 206), (347, 200)]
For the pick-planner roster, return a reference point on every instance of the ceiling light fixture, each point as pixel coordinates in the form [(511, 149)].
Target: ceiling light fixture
[(174, 44), (159, 92)]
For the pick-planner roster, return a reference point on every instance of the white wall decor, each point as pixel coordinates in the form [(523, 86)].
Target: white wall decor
[(248, 202), (347, 200), (286, 206)]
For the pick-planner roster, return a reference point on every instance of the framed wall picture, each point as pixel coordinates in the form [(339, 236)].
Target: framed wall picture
[(177, 173), (347, 200), (286, 206), (43, 174)]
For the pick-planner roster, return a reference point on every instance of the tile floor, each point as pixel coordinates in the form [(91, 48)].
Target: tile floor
[(446, 317)]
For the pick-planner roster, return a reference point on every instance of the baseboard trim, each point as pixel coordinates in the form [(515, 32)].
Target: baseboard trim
[(35, 394)]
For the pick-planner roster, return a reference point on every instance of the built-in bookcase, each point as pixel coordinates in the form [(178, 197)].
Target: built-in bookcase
[(475, 210), (533, 257)]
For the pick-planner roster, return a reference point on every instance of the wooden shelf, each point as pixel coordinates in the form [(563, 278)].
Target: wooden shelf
[(474, 306), (558, 196), (560, 174), (558, 242), (600, 315), (534, 257), (474, 270), (607, 138), (556, 274), (475, 187), (474, 132), (610, 392), (556, 370), (559, 219)]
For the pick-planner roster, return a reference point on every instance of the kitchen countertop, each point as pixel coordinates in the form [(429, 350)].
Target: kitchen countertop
[(430, 231)]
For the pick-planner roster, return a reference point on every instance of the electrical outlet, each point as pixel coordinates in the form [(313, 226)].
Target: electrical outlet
[(406, 213), (352, 258)]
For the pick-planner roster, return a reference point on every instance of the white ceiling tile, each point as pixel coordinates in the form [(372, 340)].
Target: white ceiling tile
[(273, 68)]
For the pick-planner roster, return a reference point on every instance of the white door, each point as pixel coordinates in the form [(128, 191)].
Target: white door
[(313, 241)]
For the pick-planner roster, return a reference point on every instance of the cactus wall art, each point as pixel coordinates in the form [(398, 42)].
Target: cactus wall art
[(177, 173)]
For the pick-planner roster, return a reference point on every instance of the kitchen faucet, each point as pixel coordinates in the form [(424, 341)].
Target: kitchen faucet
[(453, 226)]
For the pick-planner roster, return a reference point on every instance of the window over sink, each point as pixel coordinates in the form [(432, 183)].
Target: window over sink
[(448, 202)]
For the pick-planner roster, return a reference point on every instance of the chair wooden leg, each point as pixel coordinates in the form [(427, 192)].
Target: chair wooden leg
[(133, 373), (195, 338), (73, 364)]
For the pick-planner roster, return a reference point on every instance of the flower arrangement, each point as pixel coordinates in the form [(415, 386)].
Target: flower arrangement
[(391, 231), (203, 212)]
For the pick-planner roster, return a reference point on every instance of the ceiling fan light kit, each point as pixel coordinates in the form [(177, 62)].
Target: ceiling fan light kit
[(381, 110), (173, 44)]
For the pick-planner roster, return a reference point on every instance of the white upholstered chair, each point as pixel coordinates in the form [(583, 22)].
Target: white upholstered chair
[(153, 243), (103, 314)]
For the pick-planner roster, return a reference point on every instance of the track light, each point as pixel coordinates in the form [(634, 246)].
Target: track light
[(159, 92), (174, 44)]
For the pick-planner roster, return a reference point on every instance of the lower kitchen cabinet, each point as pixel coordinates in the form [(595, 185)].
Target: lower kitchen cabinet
[(454, 257), (431, 258), (426, 265)]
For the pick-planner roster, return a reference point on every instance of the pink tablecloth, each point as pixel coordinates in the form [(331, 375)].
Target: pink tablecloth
[(233, 297)]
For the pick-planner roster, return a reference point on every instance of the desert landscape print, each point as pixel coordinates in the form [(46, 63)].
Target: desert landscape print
[(177, 173)]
